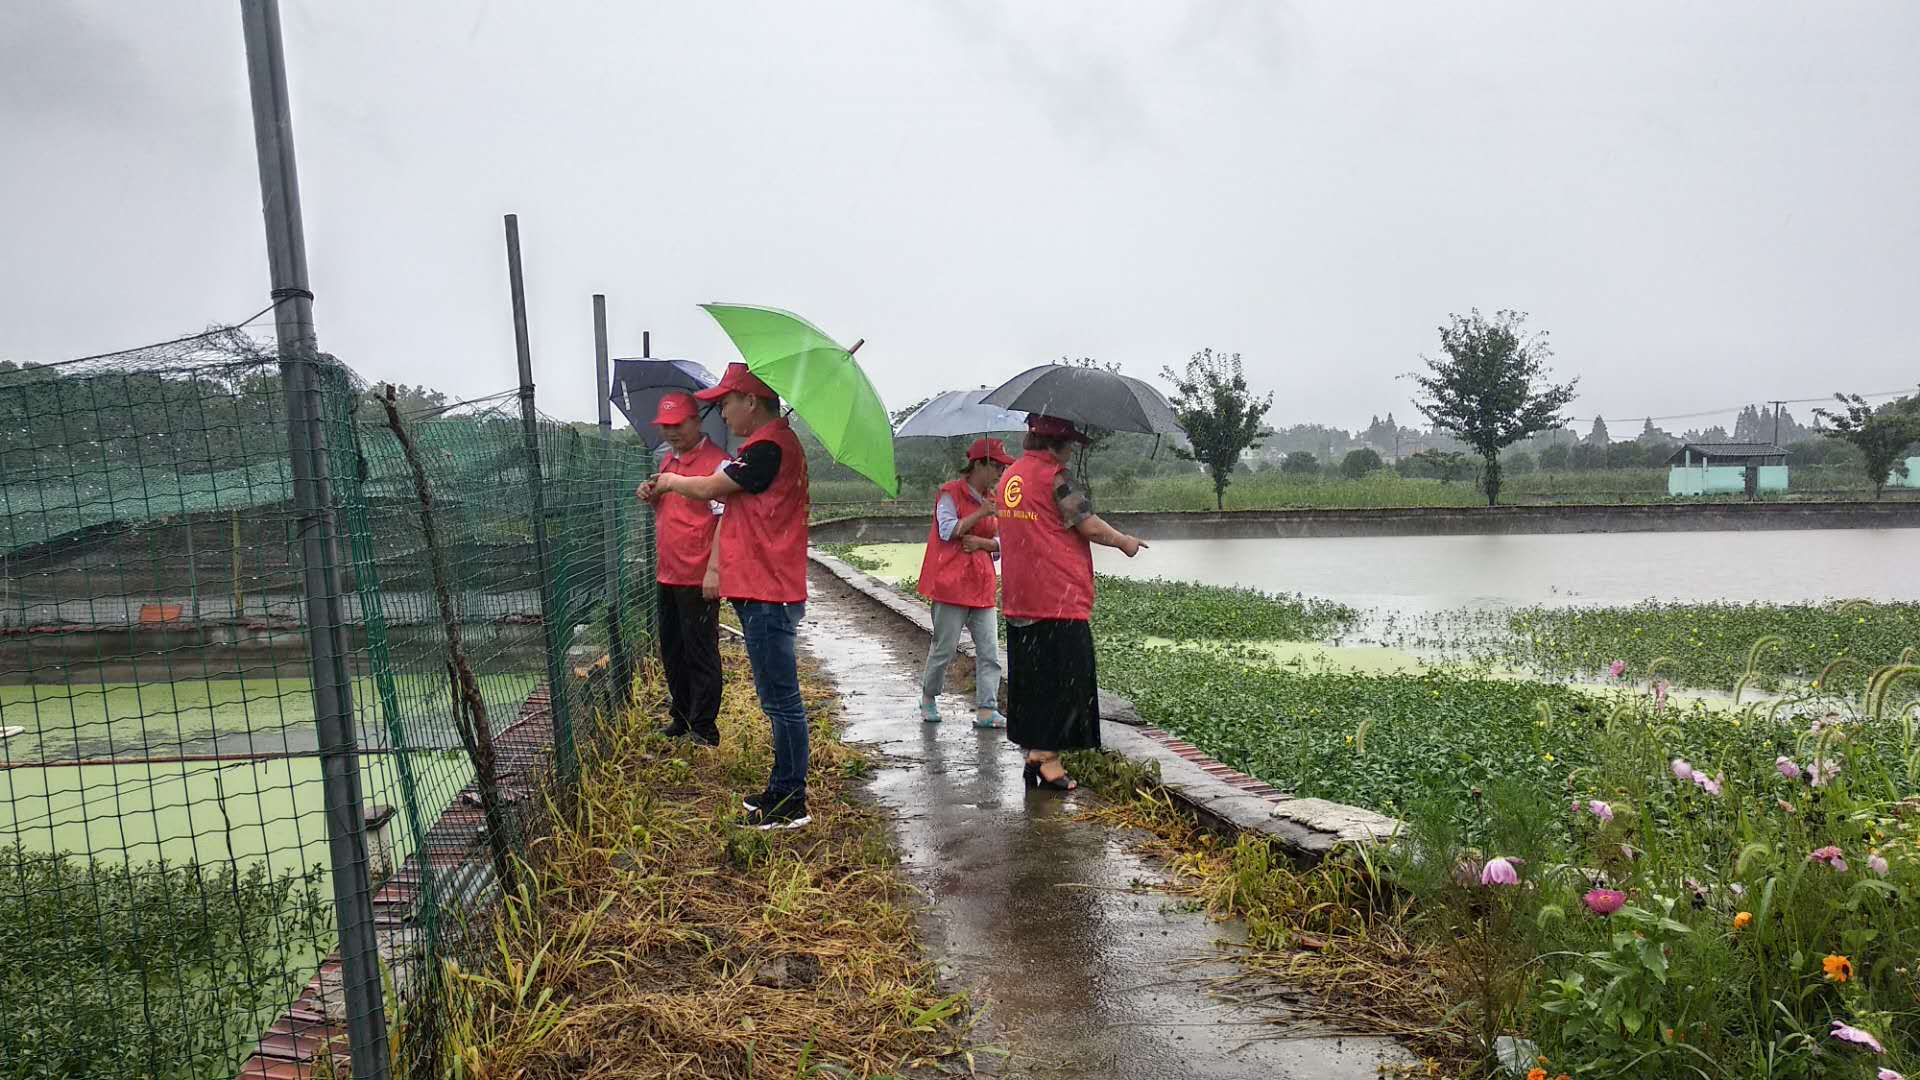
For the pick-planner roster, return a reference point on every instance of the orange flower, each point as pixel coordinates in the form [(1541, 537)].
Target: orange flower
[(1563, 1076), (1536, 1073), (1839, 968), (1741, 921)]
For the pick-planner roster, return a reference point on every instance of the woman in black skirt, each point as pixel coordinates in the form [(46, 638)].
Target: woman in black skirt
[(1047, 529)]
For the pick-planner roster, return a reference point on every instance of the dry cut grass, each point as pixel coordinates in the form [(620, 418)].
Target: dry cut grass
[(655, 937)]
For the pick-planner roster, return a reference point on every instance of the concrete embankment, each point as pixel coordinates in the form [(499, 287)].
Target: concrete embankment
[(1441, 521)]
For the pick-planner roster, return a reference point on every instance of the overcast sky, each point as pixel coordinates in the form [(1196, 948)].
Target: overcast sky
[(1705, 203)]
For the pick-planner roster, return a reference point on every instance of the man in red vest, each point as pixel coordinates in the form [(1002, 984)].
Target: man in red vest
[(762, 562), (689, 578)]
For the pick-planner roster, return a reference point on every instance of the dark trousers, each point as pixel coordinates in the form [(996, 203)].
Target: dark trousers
[(690, 653)]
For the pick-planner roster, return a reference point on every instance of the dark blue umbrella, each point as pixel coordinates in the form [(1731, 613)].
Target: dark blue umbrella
[(638, 386), (958, 413)]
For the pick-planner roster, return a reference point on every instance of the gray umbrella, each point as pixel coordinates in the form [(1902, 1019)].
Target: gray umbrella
[(1088, 396), (957, 413)]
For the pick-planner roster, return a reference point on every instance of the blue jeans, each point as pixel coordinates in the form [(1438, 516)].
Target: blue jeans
[(769, 630)]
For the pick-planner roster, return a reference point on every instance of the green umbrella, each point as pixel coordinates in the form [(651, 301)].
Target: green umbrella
[(821, 381)]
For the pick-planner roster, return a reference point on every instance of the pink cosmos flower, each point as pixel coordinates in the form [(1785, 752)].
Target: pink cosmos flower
[(1787, 768), (1848, 1033), (1605, 901), (1707, 783), (1831, 856), (1822, 772), (1681, 770), (1617, 668), (1499, 872), (1877, 864), (1601, 810), (1888, 1074)]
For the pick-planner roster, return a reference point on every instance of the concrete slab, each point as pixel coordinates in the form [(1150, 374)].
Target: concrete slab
[(1080, 967)]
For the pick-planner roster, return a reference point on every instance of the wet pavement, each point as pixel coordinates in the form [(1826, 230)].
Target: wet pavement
[(1080, 969)]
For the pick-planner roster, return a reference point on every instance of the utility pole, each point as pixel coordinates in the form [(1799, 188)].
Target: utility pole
[(1776, 420), (620, 667), (566, 761), (313, 496)]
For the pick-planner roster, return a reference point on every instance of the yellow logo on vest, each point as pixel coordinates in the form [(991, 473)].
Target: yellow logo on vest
[(1010, 496)]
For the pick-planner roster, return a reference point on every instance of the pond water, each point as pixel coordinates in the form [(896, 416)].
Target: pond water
[(1422, 574)]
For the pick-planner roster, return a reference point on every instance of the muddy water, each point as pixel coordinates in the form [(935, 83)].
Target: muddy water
[(1047, 919), (1423, 574)]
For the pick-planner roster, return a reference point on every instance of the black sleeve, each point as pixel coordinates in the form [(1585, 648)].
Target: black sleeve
[(755, 467)]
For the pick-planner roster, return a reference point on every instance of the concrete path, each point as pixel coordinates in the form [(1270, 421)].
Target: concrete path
[(1081, 969)]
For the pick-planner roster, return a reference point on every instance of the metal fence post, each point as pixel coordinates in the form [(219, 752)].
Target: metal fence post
[(619, 662), (566, 760), (313, 496)]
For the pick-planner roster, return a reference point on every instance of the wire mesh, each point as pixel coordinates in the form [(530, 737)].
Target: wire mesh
[(166, 888)]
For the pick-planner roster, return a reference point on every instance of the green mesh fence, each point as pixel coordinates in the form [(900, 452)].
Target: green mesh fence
[(166, 883)]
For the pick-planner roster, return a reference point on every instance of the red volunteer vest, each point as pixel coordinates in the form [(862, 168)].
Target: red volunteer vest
[(950, 574), (1046, 569), (763, 538), (684, 527)]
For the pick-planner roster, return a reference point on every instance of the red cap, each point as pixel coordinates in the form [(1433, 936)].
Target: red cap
[(988, 450), (737, 380), (1052, 427), (676, 408)]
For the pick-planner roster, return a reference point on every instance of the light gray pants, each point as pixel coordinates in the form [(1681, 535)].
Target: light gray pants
[(982, 624)]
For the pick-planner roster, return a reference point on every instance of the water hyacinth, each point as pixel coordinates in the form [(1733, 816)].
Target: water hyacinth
[(1604, 901), (1831, 856), (1787, 767), (1499, 871), (1601, 810), (1849, 1034)]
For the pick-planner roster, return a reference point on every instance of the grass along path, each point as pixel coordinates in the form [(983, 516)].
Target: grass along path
[(656, 937)]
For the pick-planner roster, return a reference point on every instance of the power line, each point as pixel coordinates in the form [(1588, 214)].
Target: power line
[(1737, 408)]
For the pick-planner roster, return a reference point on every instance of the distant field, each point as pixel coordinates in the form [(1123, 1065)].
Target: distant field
[(1271, 490)]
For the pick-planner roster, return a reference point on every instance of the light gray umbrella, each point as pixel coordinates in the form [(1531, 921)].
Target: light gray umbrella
[(957, 413), (1090, 397)]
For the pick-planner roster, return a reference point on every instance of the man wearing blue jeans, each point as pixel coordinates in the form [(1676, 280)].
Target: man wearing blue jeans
[(760, 565)]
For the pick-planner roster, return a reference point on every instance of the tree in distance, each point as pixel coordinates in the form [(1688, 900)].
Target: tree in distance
[(1881, 435), (1359, 463), (1220, 415), (1490, 387)]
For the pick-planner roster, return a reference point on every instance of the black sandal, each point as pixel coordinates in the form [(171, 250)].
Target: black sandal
[(1063, 782)]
